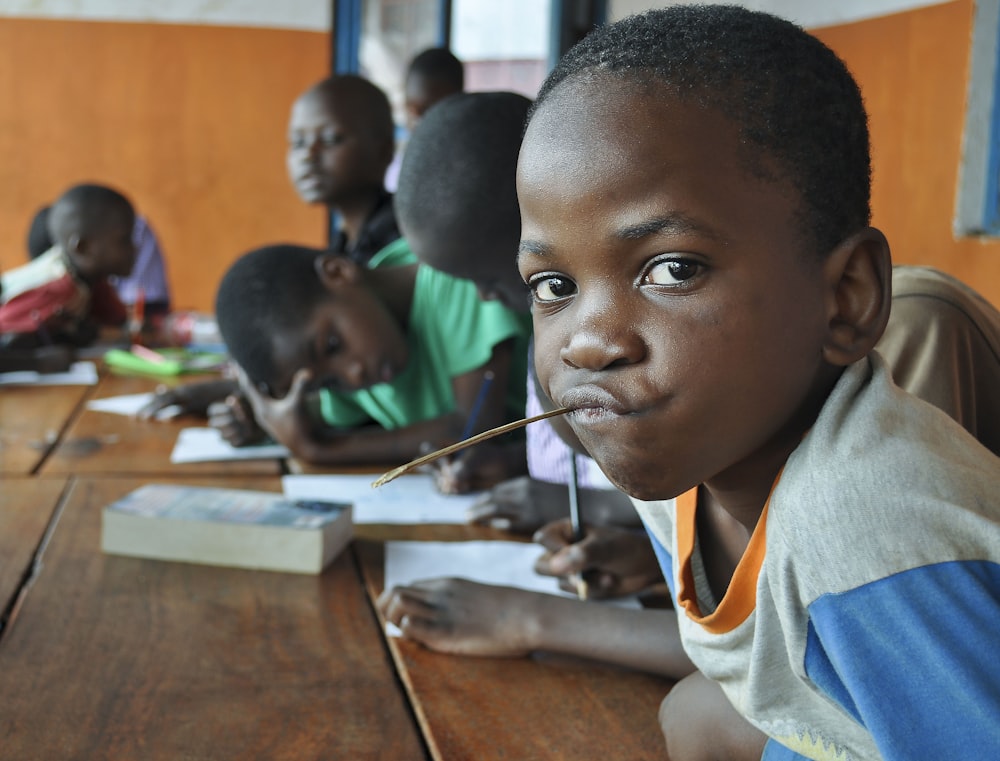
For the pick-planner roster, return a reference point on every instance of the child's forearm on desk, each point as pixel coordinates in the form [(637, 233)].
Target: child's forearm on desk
[(646, 639)]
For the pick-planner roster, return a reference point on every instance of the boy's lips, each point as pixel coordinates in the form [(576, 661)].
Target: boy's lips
[(592, 403)]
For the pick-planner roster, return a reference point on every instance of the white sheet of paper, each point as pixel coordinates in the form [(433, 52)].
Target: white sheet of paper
[(130, 404), (207, 445), (409, 499), (500, 563), (79, 374)]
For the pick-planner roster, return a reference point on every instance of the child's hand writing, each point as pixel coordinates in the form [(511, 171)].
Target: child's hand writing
[(521, 505), (615, 562), (474, 469), (462, 617)]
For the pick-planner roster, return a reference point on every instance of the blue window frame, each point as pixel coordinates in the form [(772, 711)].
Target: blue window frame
[(978, 204)]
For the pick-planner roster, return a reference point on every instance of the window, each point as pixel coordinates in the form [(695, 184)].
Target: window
[(978, 205)]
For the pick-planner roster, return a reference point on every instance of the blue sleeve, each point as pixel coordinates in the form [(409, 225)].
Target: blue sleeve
[(913, 657), (775, 751)]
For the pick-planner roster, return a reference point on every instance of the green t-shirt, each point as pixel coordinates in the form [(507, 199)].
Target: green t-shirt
[(451, 332)]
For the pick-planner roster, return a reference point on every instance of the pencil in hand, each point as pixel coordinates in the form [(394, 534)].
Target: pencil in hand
[(576, 523)]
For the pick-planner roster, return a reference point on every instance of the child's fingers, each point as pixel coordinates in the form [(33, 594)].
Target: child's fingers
[(555, 535), (299, 382)]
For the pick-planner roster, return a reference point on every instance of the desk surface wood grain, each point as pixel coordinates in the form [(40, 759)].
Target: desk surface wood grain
[(543, 708), (31, 420), (119, 658), (27, 506), (101, 443)]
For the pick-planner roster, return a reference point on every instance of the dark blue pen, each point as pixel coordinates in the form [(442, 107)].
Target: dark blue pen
[(477, 405)]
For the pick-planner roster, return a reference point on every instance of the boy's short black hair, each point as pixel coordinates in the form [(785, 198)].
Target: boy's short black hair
[(265, 292), (456, 192), (791, 96), (39, 240), (438, 65), (85, 209), (366, 101)]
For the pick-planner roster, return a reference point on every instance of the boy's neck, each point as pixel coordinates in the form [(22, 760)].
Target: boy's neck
[(354, 211), (743, 490)]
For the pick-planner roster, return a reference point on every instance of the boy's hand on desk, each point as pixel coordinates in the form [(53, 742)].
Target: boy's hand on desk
[(462, 617), (615, 562), (52, 359), (521, 505), (235, 421)]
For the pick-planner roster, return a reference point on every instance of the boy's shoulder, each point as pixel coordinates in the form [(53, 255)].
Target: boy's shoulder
[(882, 468)]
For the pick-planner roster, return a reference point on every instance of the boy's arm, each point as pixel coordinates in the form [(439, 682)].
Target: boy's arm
[(462, 617), (377, 445), (913, 658), (288, 421)]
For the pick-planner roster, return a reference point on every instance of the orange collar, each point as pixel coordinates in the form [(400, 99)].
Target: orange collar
[(741, 596)]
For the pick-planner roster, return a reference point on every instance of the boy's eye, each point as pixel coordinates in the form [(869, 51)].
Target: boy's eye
[(551, 287), (296, 141), (329, 138), (671, 271)]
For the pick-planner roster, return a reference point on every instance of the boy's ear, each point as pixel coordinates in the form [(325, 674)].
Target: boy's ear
[(75, 244), (335, 270), (858, 274)]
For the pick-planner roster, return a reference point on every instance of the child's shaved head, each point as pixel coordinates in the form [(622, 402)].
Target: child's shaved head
[(367, 104), (798, 108), (265, 292), (86, 209), (457, 201)]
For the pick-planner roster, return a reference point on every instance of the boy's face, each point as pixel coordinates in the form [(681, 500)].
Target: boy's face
[(350, 342), (676, 306), (109, 249), (420, 93), (330, 155)]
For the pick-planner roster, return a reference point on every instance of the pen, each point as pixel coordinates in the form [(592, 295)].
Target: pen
[(477, 405), (574, 519)]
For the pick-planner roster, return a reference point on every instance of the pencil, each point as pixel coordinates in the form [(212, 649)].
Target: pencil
[(445, 451), (574, 519)]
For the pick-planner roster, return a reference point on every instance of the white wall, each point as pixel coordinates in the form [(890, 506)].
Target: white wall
[(309, 15)]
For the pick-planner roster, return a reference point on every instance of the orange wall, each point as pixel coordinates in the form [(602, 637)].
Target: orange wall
[(913, 72), (189, 121)]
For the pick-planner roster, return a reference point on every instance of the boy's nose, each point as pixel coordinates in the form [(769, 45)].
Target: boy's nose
[(600, 342), (354, 374)]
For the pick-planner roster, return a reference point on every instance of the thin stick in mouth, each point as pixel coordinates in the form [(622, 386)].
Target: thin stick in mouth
[(451, 449)]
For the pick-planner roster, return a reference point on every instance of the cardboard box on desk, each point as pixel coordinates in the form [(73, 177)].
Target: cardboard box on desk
[(226, 527)]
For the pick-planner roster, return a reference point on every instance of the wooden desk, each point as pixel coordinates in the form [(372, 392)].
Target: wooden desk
[(27, 505), (31, 421), (118, 658), (546, 707), (100, 443)]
